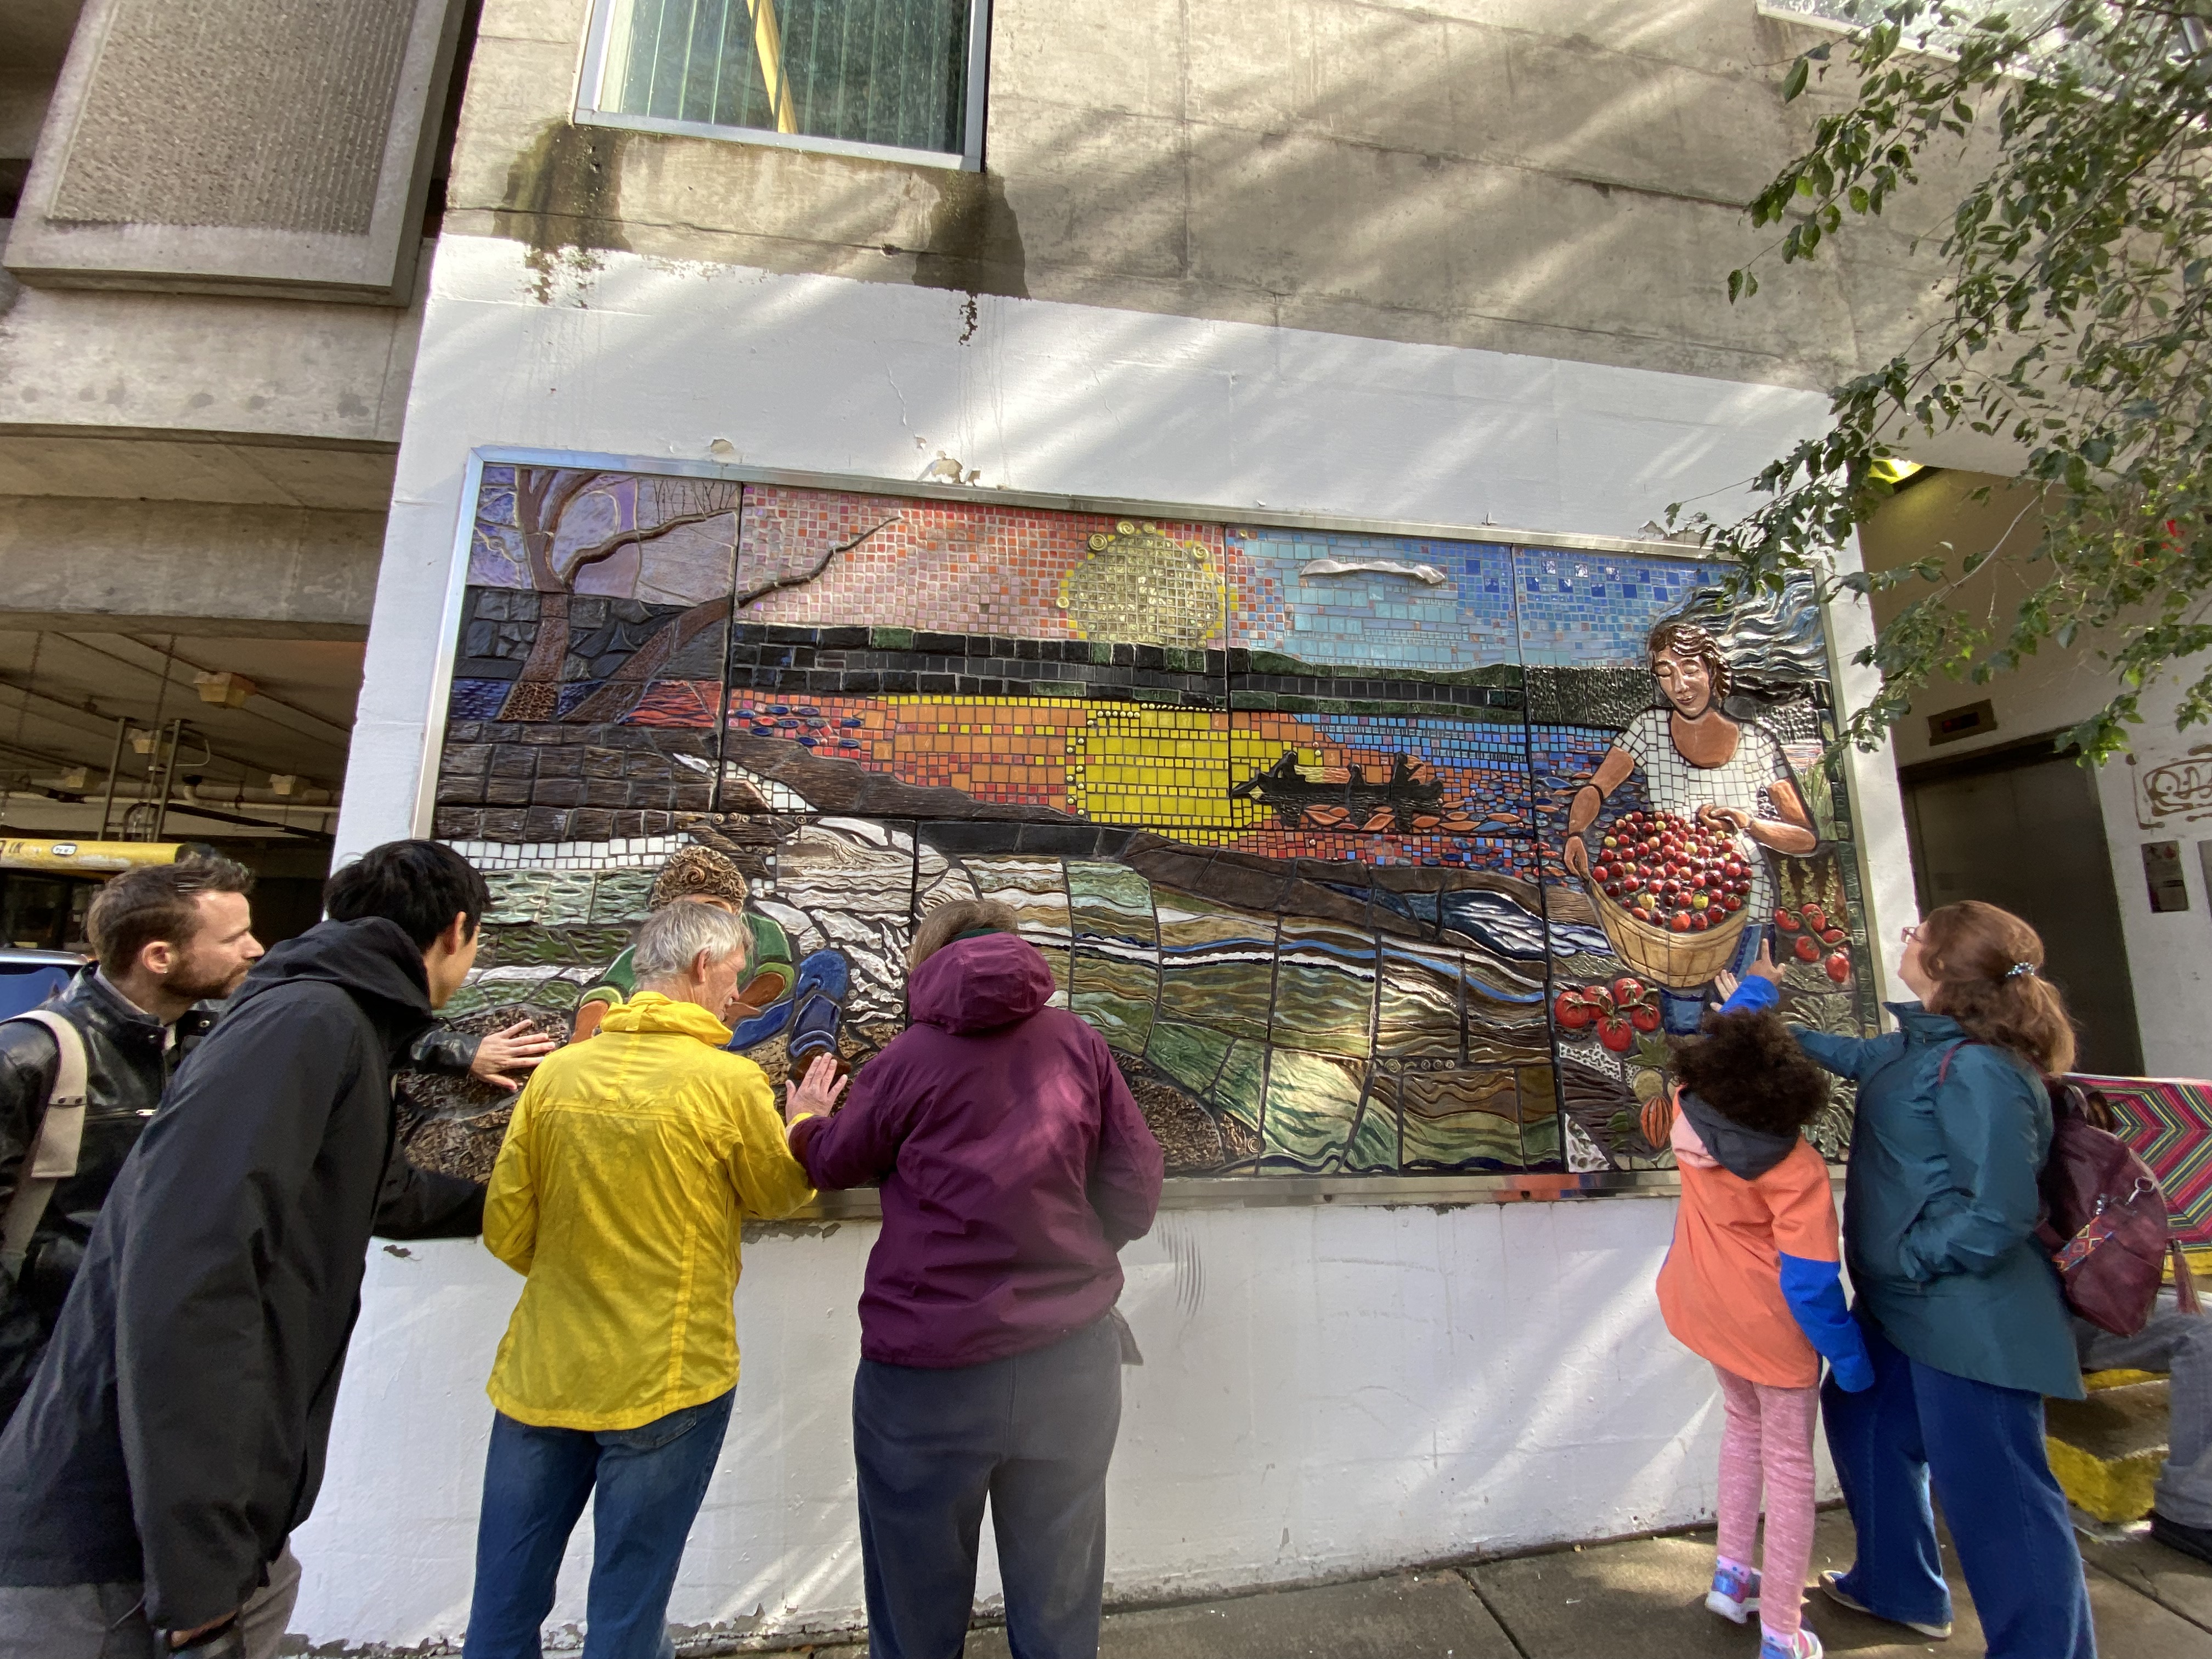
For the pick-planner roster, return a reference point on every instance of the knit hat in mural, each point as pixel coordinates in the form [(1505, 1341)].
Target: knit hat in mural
[(698, 870)]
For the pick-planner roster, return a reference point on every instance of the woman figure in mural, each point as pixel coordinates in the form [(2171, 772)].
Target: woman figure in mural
[(808, 1001), (1698, 763)]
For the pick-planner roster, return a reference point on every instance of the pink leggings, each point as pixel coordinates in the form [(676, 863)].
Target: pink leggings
[(1769, 1441)]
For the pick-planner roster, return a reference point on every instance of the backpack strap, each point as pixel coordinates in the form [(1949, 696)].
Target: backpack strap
[(1943, 1066), (53, 1157)]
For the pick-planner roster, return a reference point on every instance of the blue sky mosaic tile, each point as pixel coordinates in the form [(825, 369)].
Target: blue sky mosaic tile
[(1590, 609), (1374, 616)]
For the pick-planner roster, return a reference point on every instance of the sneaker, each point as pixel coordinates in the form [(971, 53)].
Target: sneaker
[(1832, 1584), (2178, 1535), (1735, 1593), (1800, 1645)]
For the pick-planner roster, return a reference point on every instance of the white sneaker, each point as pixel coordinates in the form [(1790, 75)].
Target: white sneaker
[(1802, 1645), (1734, 1595), (1830, 1585)]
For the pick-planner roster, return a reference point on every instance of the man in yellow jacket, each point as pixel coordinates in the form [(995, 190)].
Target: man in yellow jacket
[(631, 1164)]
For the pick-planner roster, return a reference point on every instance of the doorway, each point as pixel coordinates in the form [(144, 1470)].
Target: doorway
[(2019, 827)]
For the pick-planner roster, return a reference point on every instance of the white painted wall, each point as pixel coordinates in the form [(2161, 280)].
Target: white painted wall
[(1325, 1391), (640, 357), (1329, 1389)]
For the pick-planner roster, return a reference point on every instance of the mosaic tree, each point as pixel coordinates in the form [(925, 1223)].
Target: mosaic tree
[(545, 498)]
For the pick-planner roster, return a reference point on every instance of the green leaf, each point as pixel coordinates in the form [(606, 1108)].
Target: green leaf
[(1794, 82), (1859, 198)]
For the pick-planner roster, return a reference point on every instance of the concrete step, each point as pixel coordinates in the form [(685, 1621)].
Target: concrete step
[(2106, 1450)]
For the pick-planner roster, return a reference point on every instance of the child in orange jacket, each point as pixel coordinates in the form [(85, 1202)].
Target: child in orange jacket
[(1752, 1285)]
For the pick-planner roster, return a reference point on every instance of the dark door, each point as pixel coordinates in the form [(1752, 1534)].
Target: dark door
[(2020, 827)]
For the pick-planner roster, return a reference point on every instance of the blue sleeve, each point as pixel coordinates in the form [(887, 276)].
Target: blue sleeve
[(1814, 1291), (1843, 1055), (1752, 995)]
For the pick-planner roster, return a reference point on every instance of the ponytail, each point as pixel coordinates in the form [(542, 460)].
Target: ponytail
[(1988, 967)]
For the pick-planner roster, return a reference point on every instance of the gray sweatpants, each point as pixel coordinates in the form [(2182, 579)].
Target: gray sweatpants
[(105, 1621), (2179, 1345)]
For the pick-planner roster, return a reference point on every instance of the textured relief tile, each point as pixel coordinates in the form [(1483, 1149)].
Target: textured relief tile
[(1283, 809)]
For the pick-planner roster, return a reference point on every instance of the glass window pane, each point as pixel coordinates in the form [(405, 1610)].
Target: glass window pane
[(872, 71)]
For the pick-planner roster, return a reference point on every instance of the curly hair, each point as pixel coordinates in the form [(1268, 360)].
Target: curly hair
[(1748, 1068), (1687, 639), (1987, 965), (698, 871)]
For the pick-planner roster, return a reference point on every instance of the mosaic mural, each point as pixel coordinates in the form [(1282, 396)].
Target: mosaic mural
[(1288, 813)]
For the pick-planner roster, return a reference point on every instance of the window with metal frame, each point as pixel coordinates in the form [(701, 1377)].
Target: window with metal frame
[(900, 79)]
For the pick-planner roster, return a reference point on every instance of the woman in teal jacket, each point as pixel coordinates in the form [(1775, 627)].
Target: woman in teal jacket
[(1960, 1305)]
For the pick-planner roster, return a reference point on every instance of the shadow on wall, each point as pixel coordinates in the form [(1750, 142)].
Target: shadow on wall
[(1578, 198)]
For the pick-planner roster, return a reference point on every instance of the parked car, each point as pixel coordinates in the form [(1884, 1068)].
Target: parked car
[(28, 977)]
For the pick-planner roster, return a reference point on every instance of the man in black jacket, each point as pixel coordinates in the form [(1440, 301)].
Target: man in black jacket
[(168, 935), (173, 1436), (173, 940)]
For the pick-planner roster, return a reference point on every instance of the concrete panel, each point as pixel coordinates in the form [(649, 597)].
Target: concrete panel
[(153, 361), (62, 460), (64, 561), (206, 145), (1102, 56), (1506, 179)]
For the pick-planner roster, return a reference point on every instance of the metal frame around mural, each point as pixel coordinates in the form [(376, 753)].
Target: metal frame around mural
[(1182, 1192)]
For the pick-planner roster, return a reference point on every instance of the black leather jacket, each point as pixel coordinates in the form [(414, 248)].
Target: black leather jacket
[(129, 1057)]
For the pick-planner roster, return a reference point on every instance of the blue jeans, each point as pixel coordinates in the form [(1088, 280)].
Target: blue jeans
[(1982, 1446), (814, 1010), (650, 1481), (1034, 1431), (1682, 1014)]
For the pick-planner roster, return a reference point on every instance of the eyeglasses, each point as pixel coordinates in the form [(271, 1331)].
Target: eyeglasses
[(1906, 935)]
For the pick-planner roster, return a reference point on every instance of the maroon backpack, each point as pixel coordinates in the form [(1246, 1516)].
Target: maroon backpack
[(2104, 1220)]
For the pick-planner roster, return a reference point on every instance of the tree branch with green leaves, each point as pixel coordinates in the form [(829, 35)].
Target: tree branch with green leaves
[(2071, 324)]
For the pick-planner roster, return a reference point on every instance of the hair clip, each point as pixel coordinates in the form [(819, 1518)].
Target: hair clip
[(2018, 968)]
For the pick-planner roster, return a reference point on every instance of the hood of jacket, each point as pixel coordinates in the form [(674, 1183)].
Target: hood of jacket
[(649, 1010), (370, 958), (1745, 1153), (980, 984)]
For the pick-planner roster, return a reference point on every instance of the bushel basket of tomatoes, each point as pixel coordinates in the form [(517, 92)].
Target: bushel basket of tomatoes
[(1670, 894)]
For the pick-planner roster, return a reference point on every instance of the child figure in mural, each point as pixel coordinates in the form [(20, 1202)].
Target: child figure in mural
[(1752, 1286), (1698, 763), (807, 1000)]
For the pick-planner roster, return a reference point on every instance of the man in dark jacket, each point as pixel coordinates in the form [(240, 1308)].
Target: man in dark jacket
[(168, 936), (174, 1436), (173, 940), (1014, 1165)]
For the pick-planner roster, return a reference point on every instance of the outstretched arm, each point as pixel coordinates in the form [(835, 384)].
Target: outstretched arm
[(1125, 1182)]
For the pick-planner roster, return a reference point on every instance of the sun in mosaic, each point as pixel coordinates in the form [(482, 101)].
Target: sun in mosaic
[(1338, 840)]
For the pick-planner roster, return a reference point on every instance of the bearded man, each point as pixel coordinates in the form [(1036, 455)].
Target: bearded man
[(168, 937)]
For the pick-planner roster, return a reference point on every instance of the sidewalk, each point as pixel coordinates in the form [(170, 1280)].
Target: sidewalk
[(1643, 1599)]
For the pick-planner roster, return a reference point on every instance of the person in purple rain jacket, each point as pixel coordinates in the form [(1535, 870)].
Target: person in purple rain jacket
[(1014, 1164)]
